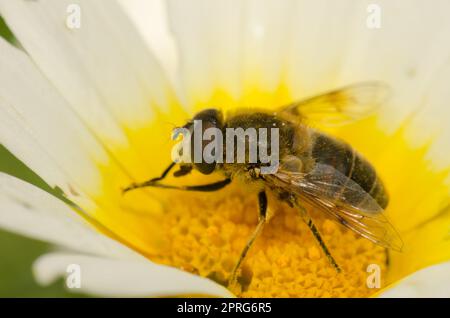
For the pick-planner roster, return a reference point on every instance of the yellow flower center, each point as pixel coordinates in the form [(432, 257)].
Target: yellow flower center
[(204, 233), (207, 232)]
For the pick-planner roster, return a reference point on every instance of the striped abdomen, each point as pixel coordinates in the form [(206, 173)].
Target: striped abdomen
[(346, 160)]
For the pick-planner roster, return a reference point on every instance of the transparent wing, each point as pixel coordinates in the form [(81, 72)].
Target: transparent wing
[(341, 106), (344, 200)]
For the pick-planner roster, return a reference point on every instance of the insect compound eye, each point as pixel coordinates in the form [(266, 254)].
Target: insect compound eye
[(211, 115), (205, 168), (202, 166), (209, 118)]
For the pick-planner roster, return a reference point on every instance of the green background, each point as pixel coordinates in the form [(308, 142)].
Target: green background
[(17, 253)]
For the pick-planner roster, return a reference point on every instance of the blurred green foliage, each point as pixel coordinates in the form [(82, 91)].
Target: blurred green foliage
[(16, 279), (17, 253), (5, 32)]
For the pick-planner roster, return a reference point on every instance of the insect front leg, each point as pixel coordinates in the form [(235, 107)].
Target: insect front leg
[(182, 171), (262, 203), (210, 187), (151, 181)]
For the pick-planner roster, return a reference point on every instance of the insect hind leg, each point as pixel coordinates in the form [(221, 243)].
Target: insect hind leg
[(318, 237)]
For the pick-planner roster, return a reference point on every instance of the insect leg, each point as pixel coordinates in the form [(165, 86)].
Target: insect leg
[(262, 202), (153, 180), (201, 188), (164, 174), (316, 233), (318, 237)]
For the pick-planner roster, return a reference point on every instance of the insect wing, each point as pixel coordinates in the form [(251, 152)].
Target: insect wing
[(341, 106), (344, 200)]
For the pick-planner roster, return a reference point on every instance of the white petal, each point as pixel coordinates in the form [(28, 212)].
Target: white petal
[(333, 46), (321, 36), (121, 278), (429, 282), (32, 212), (230, 46), (38, 126), (267, 30), (150, 18), (103, 68), (432, 120), (209, 47)]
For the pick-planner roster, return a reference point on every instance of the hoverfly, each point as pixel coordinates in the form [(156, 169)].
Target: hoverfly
[(315, 169)]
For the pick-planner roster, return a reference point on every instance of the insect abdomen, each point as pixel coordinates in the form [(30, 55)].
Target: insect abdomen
[(345, 159)]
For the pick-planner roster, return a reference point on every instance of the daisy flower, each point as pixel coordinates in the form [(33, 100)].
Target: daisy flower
[(91, 90)]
